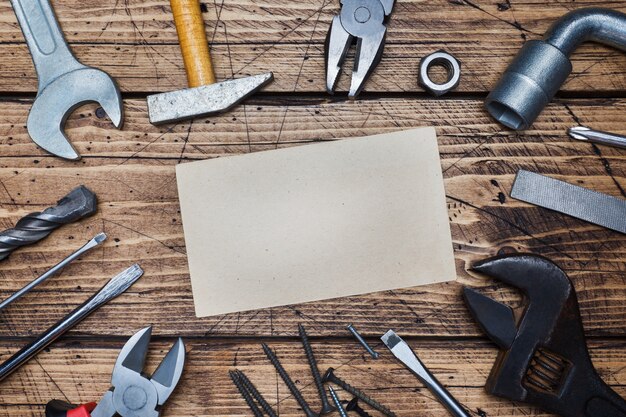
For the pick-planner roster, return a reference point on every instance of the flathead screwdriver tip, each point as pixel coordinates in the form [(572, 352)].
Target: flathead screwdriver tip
[(100, 237)]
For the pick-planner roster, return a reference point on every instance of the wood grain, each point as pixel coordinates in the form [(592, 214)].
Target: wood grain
[(136, 42), (133, 173), (80, 372)]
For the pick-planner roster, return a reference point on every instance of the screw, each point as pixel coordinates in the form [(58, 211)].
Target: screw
[(362, 341), (353, 405), (245, 394), (335, 398), (256, 394), (330, 376), (326, 406), (285, 376)]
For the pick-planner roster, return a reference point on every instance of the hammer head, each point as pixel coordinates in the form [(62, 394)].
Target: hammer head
[(201, 101)]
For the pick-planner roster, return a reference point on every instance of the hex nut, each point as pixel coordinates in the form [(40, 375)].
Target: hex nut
[(452, 65)]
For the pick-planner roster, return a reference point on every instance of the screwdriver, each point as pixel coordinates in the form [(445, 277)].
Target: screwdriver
[(584, 133), (116, 286), (404, 354), (99, 238)]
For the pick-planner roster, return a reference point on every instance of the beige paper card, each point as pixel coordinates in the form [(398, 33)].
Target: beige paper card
[(315, 222)]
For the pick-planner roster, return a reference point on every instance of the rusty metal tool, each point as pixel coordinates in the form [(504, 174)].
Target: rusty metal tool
[(204, 96), (402, 351), (543, 358), (363, 22), (64, 83), (78, 204), (95, 241), (133, 393), (115, 287)]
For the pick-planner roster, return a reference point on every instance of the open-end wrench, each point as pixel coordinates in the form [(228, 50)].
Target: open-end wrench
[(64, 83)]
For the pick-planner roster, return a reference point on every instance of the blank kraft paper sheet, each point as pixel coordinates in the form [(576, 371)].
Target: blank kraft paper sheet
[(315, 222)]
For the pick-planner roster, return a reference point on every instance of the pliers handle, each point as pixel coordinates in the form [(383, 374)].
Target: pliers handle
[(56, 408)]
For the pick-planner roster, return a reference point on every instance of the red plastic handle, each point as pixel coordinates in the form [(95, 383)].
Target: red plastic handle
[(82, 411)]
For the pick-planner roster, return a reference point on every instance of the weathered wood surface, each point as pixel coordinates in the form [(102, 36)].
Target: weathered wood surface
[(80, 372), (136, 42), (132, 172)]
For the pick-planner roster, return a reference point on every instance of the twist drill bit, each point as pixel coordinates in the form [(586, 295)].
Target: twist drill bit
[(78, 204)]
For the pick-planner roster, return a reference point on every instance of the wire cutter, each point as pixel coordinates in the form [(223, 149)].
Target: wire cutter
[(362, 21), (132, 394)]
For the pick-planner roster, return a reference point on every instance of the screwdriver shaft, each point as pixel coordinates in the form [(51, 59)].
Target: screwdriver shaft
[(116, 286), (99, 238), (584, 133)]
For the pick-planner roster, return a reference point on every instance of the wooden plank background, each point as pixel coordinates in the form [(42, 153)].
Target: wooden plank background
[(132, 172)]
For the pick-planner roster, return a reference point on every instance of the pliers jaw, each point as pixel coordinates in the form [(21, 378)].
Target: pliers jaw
[(360, 21), (133, 393)]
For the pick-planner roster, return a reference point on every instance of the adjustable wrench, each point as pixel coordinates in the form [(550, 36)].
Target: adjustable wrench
[(543, 358), (64, 83)]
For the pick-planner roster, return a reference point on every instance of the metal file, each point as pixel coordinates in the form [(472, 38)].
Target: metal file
[(581, 203)]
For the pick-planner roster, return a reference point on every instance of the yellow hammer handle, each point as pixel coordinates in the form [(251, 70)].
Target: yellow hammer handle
[(193, 42)]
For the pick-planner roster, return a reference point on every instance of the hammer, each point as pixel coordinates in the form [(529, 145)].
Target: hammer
[(204, 96)]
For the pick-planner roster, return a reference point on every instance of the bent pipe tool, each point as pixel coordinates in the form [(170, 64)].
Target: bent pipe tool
[(542, 66), (543, 358)]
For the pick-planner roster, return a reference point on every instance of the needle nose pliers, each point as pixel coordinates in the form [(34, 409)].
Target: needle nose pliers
[(362, 21), (132, 394)]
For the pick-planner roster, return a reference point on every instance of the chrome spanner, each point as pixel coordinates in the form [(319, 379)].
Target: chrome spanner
[(64, 83)]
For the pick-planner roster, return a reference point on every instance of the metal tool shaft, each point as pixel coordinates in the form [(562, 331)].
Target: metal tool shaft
[(340, 409), (51, 55), (362, 341), (116, 286), (78, 204), (288, 381), (99, 238), (403, 352), (584, 133), (317, 378)]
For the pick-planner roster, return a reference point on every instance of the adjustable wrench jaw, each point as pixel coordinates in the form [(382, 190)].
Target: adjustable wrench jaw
[(543, 359), (362, 21)]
